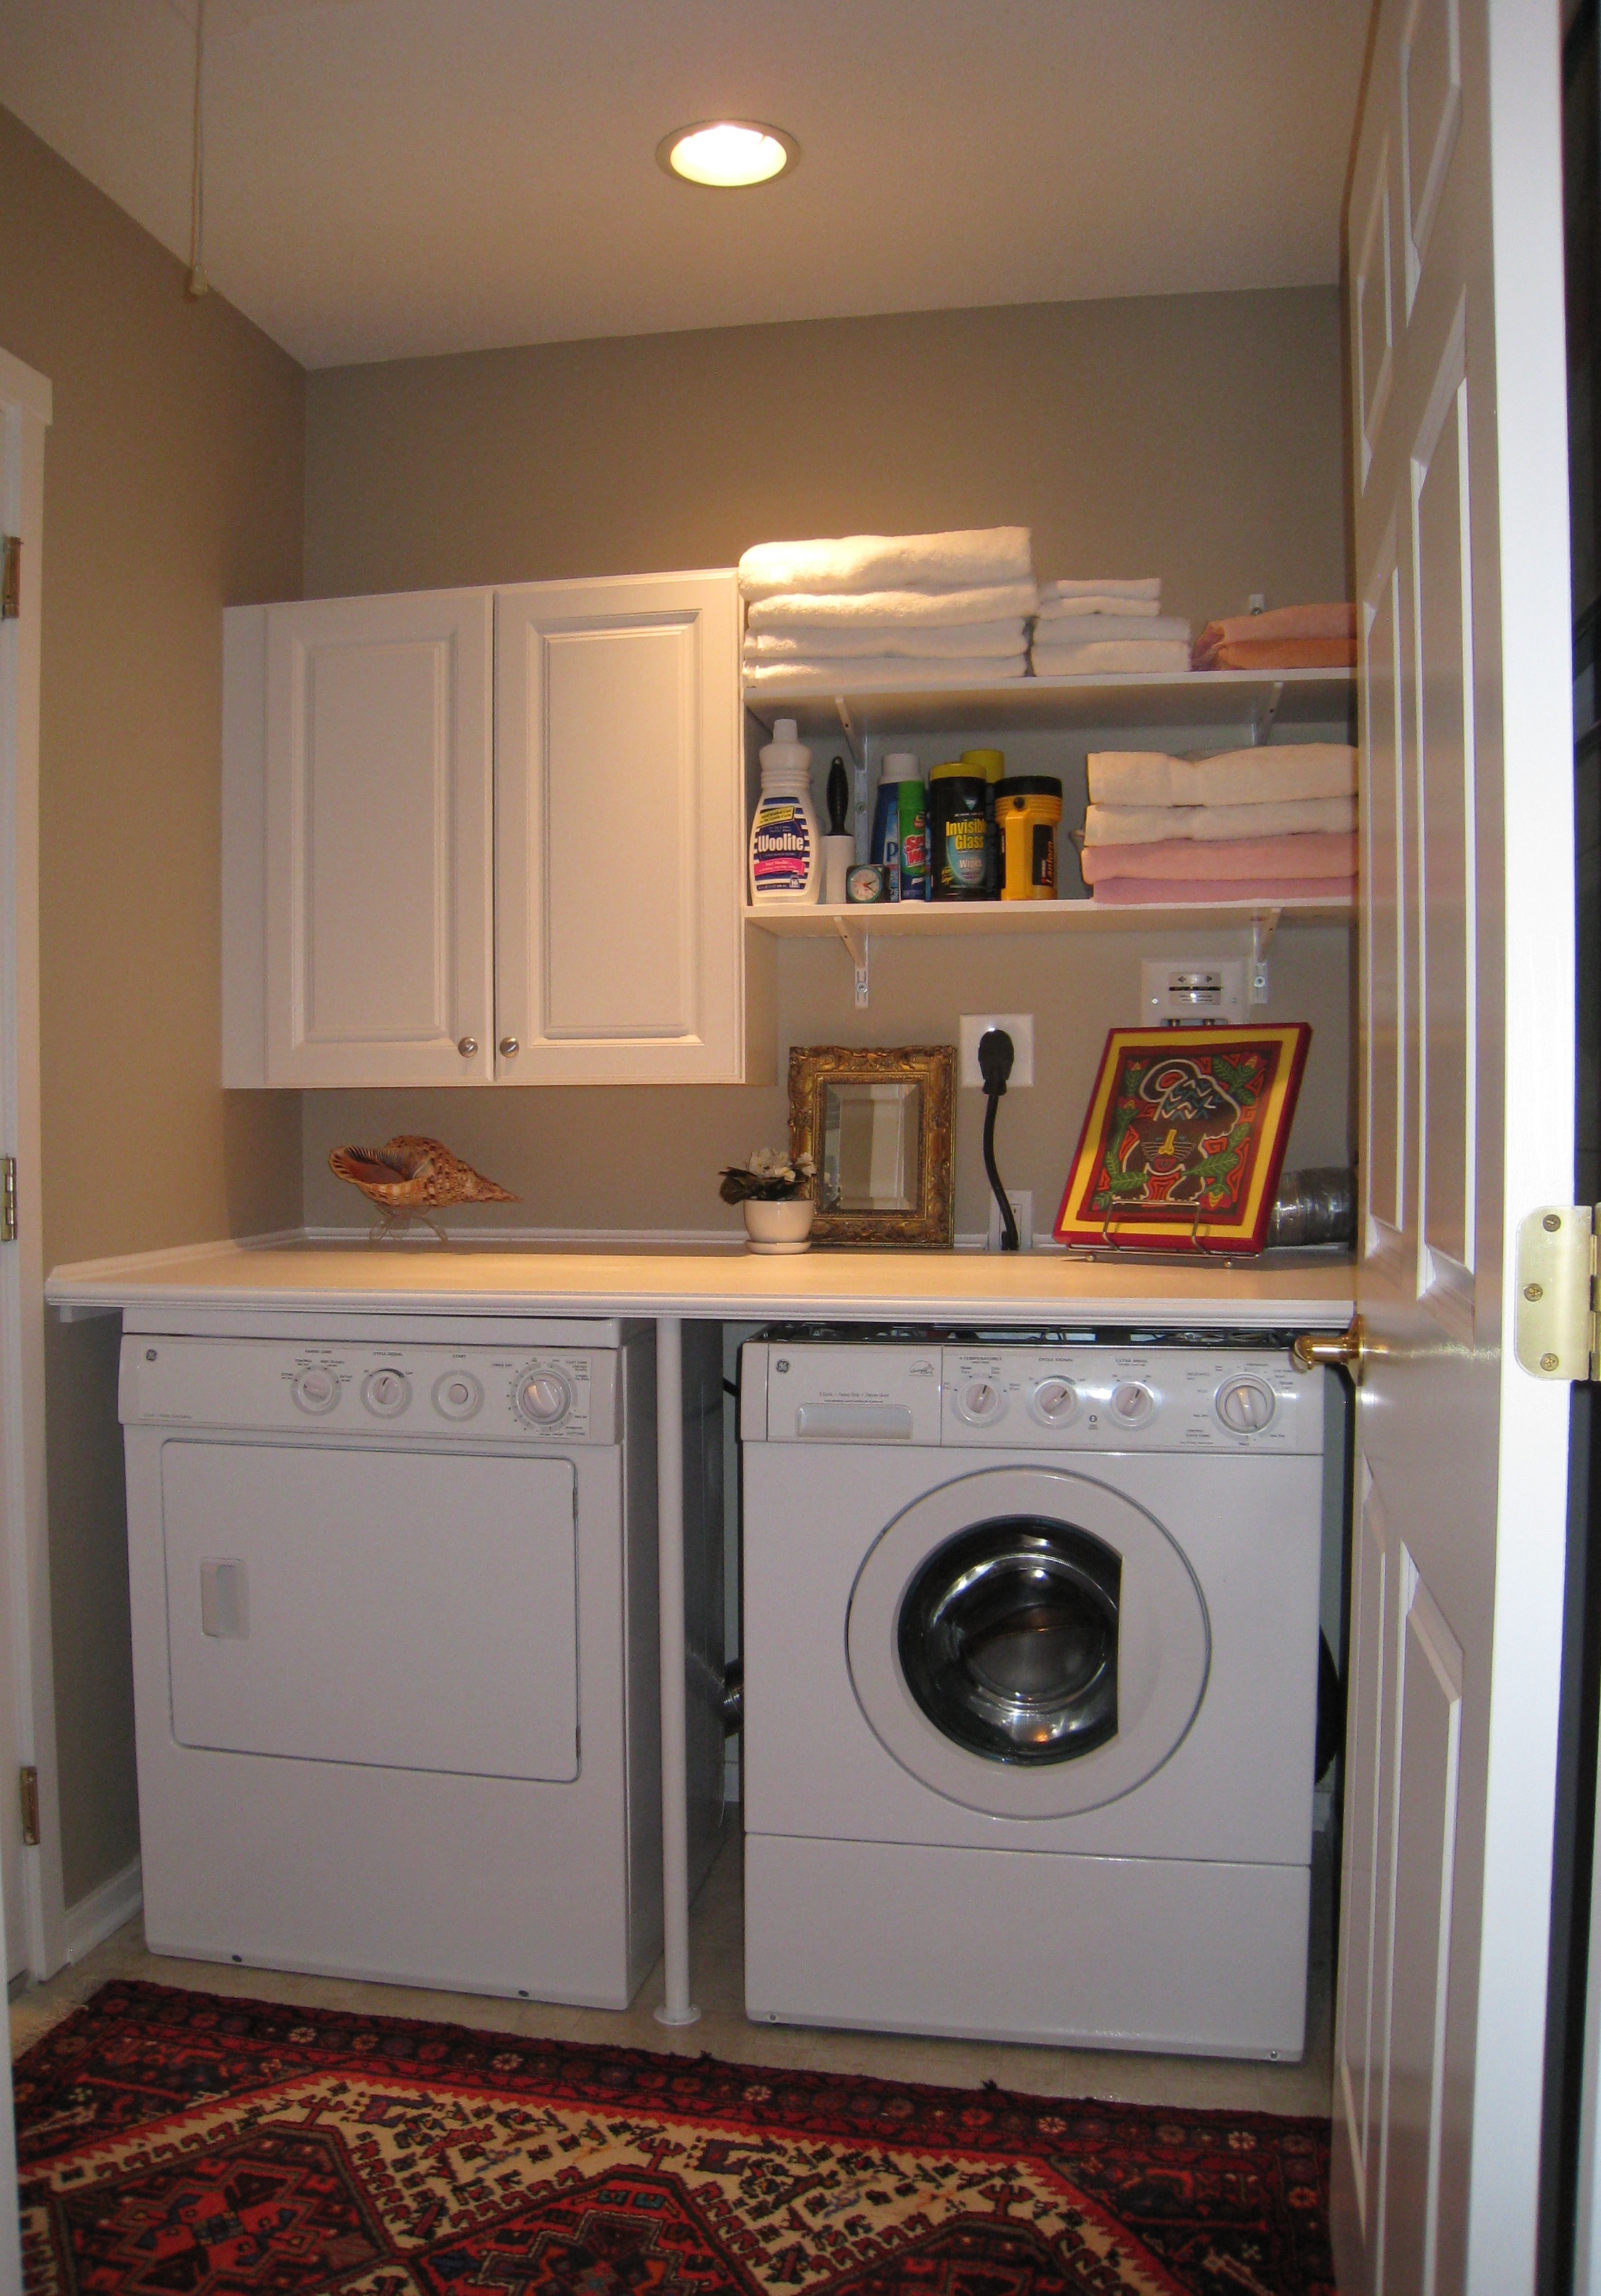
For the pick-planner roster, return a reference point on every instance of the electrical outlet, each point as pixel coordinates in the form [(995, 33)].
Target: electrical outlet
[(1256, 603), (1018, 1026), (1191, 988), (1021, 1201)]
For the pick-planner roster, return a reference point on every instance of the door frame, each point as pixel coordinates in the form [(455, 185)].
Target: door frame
[(25, 414)]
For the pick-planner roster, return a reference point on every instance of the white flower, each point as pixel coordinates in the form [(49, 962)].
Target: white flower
[(805, 1164)]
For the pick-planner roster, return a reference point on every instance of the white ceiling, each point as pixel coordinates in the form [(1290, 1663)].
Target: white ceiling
[(388, 177)]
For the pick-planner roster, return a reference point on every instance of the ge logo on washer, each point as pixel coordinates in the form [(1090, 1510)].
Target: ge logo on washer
[(1027, 1642)]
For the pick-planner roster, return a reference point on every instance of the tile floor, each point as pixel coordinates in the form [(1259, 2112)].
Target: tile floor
[(717, 1950)]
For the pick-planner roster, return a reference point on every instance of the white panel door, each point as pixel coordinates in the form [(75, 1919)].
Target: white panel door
[(379, 841), (619, 817), (1459, 473)]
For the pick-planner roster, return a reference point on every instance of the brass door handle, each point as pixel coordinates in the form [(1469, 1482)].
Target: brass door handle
[(1346, 1350)]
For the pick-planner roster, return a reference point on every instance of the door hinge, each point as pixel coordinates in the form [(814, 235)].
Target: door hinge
[(8, 1200), (28, 1786), (11, 577), (1554, 1330)]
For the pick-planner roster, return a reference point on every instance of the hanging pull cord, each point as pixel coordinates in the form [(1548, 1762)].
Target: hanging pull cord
[(996, 1055), (197, 283)]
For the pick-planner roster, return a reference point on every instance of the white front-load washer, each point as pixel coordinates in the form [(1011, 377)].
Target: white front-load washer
[(1031, 1656), (396, 1657)]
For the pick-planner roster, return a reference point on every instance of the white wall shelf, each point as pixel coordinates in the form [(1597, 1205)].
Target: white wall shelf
[(1262, 700), (918, 920)]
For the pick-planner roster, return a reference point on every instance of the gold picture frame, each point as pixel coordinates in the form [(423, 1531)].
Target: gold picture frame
[(877, 1125)]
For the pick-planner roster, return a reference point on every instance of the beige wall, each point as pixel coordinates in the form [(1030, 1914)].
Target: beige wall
[(1198, 436), (173, 488)]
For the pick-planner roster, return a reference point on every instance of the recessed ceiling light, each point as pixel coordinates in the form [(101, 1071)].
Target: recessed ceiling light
[(728, 155)]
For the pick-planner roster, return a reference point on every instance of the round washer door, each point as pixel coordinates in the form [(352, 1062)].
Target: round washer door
[(1028, 1642)]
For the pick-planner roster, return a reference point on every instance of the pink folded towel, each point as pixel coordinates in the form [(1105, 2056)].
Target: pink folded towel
[(1214, 892), (1310, 855), (1284, 622)]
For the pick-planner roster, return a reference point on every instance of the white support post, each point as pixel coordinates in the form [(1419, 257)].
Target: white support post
[(676, 2008)]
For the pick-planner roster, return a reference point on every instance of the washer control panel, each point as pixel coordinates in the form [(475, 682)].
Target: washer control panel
[(1014, 1396), (1112, 1399), (363, 1389)]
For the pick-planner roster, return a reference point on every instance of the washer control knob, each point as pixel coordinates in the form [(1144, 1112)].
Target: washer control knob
[(457, 1395), (543, 1397), (1054, 1402), (1132, 1402), (315, 1391), (980, 1402), (1245, 1405), (386, 1393)]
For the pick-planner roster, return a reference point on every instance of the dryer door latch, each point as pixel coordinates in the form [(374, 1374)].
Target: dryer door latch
[(1554, 1312)]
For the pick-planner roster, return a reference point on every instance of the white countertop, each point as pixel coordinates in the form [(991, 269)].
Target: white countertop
[(1289, 1292)]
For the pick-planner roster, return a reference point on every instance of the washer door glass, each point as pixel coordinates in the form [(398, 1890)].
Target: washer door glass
[(1008, 1640), (1027, 1641)]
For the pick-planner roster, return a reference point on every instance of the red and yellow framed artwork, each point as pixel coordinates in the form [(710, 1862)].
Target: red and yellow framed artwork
[(1184, 1138)]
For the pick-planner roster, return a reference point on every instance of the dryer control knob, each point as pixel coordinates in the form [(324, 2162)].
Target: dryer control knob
[(1054, 1402), (543, 1397), (315, 1391), (457, 1395), (1132, 1402), (980, 1402), (386, 1393), (1245, 1405)]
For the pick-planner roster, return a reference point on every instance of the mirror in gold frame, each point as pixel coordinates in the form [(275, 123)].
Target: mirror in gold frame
[(878, 1126)]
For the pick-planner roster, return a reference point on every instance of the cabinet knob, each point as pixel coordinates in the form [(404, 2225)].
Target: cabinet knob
[(510, 1047), (466, 1046)]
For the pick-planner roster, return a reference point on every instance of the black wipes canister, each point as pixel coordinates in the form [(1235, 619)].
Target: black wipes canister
[(959, 834)]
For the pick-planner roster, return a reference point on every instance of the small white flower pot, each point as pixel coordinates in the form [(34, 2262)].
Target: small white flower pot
[(781, 1226)]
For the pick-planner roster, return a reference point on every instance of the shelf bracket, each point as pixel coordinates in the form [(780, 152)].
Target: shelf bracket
[(1266, 712), (1263, 926), (855, 943)]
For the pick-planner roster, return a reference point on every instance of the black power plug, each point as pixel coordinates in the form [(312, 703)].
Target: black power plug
[(997, 1054)]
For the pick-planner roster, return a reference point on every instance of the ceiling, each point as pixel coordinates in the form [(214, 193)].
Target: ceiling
[(392, 177)]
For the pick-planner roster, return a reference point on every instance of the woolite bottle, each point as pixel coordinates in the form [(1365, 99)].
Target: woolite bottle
[(786, 852)]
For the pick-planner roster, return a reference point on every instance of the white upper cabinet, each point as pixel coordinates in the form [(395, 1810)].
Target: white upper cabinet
[(472, 836), (379, 841), (618, 848)]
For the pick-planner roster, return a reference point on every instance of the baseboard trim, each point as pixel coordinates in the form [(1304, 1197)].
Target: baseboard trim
[(92, 1919)]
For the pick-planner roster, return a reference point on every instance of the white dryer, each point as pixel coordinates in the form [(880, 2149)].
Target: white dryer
[(1031, 1654), (395, 1642)]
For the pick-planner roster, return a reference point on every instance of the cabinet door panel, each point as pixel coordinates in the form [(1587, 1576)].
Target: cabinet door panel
[(378, 833), (619, 882)]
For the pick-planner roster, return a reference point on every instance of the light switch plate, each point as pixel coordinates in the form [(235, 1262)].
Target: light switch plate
[(1191, 988), (1018, 1026)]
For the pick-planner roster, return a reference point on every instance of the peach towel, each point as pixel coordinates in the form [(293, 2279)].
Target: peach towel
[(1280, 653), (1311, 856), (1283, 622), (1271, 892)]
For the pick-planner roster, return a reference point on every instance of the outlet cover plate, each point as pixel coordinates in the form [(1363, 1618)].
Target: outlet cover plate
[(1191, 988), (1021, 1201), (1018, 1026)]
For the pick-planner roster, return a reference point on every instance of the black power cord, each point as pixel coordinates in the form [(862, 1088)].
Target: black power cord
[(997, 1054)]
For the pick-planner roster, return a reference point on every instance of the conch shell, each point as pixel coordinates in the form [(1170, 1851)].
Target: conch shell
[(410, 1174)]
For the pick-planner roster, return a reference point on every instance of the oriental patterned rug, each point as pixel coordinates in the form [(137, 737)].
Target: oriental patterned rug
[(178, 2144)]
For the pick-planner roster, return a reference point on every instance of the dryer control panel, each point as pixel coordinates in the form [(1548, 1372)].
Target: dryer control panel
[(1021, 1397), (362, 1389)]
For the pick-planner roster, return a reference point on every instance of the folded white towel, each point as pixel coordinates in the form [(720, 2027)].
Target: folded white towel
[(1110, 658), (1107, 587), (1293, 769), (1099, 602), (890, 562), (1083, 629), (888, 638), (864, 672), (826, 612), (1213, 824)]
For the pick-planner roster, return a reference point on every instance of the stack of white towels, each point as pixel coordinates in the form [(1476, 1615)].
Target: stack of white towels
[(1106, 628), (881, 611), (1270, 824)]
